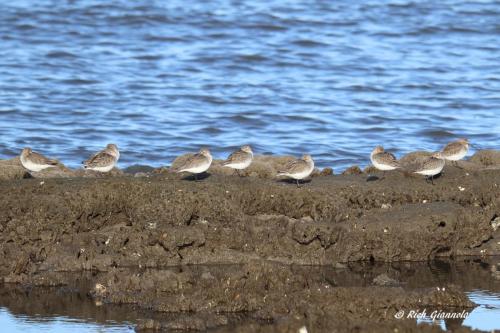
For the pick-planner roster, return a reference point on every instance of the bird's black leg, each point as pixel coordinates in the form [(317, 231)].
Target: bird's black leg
[(195, 177), (298, 183), (432, 180)]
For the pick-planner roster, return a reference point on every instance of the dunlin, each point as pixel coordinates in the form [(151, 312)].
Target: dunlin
[(298, 169), (198, 163), (383, 160), (240, 159), (103, 161), (456, 150), (431, 166), (36, 162)]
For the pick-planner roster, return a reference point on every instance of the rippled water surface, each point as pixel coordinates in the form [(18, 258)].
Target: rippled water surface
[(332, 78)]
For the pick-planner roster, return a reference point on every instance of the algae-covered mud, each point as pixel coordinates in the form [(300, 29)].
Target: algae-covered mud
[(231, 253)]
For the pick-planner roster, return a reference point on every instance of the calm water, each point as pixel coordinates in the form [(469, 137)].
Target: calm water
[(33, 324), (70, 310), (332, 78)]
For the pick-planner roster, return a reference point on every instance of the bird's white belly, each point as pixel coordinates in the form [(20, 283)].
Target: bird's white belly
[(456, 157), (199, 169), (35, 167), (300, 175), (431, 172), (382, 167), (239, 166), (102, 168)]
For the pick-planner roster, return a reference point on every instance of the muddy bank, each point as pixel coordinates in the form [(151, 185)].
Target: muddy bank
[(113, 224), (77, 223)]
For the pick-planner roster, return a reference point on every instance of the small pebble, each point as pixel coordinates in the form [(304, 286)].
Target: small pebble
[(495, 224)]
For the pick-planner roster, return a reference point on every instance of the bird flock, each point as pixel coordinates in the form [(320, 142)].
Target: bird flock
[(297, 169), (430, 167)]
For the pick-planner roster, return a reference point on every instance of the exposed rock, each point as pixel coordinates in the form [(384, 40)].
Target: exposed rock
[(136, 168), (487, 158), (370, 170), (8, 172), (354, 170)]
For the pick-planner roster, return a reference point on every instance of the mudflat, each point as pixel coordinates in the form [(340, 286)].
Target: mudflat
[(137, 233)]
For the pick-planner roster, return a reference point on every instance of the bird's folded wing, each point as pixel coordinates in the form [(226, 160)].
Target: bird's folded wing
[(294, 166), (40, 159), (452, 148), (237, 156), (100, 159), (192, 162)]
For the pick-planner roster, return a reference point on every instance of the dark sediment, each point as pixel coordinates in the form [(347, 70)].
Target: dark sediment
[(130, 230)]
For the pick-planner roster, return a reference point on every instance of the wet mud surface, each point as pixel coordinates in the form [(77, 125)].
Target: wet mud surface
[(157, 241), (259, 296)]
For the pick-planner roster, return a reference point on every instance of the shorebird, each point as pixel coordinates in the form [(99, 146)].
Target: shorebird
[(298, 169), (240, 159), (455, 151), (103, 161), (383, 160), (432, 166), (36, 162), (198, 163)]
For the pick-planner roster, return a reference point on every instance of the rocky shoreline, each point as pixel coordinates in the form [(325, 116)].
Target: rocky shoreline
[(138, 230)]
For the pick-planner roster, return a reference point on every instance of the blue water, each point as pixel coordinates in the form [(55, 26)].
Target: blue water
[(37, 324), (484, 317), (332, 78)]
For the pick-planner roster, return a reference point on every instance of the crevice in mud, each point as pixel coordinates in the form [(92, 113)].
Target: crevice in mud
[(438, 250), (192, 218), (484, 242)]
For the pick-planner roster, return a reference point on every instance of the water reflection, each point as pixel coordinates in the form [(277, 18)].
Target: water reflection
[(486, 316), (59, 309)]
